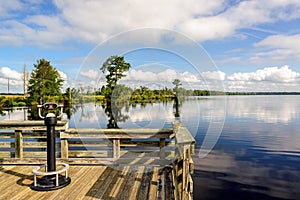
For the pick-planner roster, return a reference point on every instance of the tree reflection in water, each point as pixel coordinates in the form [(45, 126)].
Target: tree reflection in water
[(114, 104), (113, 110)]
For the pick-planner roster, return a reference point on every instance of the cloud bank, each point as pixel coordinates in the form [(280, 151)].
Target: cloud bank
[(267, 79), (94, 21), (272, 74)]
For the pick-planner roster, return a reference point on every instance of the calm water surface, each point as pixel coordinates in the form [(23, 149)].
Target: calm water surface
[(258, 153), (255, 140)]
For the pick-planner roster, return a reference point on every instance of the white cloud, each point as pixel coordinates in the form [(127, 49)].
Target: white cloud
[(8, 6), (207, 28), (267, 79), (91, 73), (11, 79), (259, 86), (214, 75), (6, 72), (254, 12), (149, 76), (50, 29), (24, 27), (167, 75), (126, 15), (273, 74), (93, 21), (279, 47), (281, 41), (202, 20), (280, 79), (63, 75)]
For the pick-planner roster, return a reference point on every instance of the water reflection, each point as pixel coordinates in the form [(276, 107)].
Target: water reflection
[(16, 113), (255, 157), (113, 110), (223, 176), (269, 109), (152, 115), (177, 103)]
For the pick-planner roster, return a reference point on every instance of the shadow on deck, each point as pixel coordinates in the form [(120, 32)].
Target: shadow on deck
[(92, 182)]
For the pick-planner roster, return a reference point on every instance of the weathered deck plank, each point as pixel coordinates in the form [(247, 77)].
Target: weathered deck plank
[(153, 188), (129, 182), (136, 184), (88, 182)]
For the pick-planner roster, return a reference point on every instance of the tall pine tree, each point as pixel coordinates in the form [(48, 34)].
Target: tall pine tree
[(115, 68), (45, 83)]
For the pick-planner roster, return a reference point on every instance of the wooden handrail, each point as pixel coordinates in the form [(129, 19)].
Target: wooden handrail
[(159, 138), (34, 125), (182, 134), (116, 133), (20, 126), (183, 164)]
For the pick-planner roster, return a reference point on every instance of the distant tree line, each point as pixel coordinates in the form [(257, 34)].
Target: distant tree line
[(45, 84), (141, 94)]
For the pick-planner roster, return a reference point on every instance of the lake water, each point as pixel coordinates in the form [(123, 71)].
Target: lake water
[(248, 147)]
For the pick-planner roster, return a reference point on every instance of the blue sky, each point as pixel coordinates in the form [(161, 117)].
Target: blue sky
[(237, 45)]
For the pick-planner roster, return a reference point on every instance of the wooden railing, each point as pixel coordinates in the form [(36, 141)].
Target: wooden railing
[(183, 165), (24, 142), (24, 139), (135, 146)]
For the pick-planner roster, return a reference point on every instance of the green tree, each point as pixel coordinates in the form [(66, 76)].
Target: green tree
[(177, 84), (114, 67), (45, 83), (70, 95)]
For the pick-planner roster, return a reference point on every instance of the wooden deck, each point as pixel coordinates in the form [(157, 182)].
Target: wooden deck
[(152, 163), (91, 182)]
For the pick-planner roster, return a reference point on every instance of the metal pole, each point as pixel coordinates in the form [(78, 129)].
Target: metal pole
[(50, 122)]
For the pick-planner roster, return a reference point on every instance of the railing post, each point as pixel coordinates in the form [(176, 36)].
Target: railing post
[(185, 171), (116, 148), (162, 144), (18, 144), (64, 148)]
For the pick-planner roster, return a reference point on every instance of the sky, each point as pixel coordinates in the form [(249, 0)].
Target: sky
[(229, 45)]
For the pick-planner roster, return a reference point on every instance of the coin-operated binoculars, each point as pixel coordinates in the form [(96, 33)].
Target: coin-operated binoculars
[(51, 179)]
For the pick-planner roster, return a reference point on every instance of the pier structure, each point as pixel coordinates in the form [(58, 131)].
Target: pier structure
[(104, 163)]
